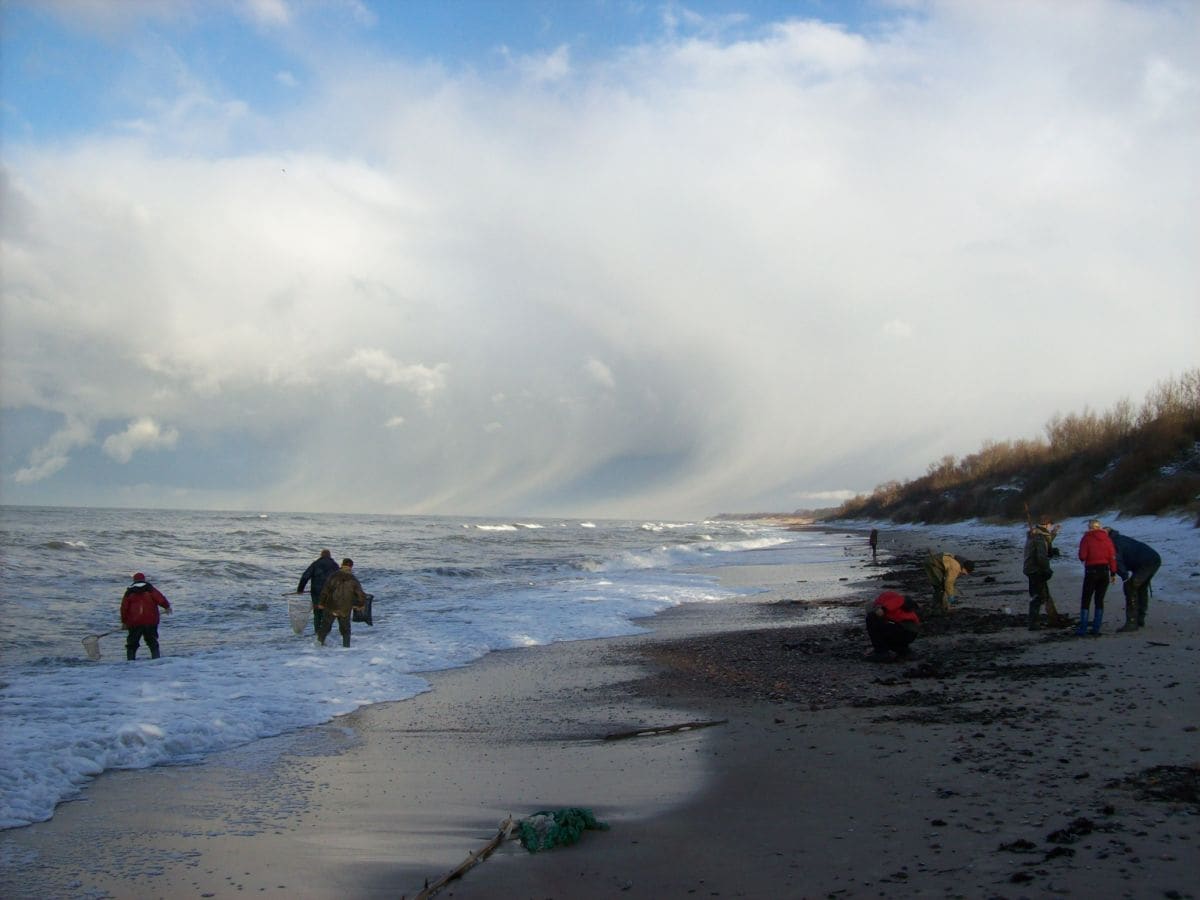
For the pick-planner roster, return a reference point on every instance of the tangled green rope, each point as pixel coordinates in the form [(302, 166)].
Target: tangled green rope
[(544, 830)]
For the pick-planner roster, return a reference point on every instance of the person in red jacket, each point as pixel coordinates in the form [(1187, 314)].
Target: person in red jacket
[(893, 622), (139, 615), (1099, 557)]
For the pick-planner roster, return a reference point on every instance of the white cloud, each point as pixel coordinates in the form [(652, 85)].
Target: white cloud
[(141, 434), (1170, 91), (55, 453), (377, 365), (823, 499), (545, 68), (820, 46), (783, 259), (600, 373), (273, 13)]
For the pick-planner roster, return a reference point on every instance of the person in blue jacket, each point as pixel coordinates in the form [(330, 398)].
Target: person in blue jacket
[(318, 573), (1136, 564)]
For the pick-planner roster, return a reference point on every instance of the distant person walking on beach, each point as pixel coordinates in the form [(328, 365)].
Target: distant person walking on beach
[(1039, 550), (341, 595), (139, 615), (893, 622), (1099, 558), (1136, 564), (873, 540), (318, 572), (944, 570)]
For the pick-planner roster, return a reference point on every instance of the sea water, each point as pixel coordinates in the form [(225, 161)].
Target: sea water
[(447, 591)]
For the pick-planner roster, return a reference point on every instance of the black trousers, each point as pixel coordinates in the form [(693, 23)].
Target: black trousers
[(887, 635), (1137, 588), (134, 637), (1039, 587), (1095, 586)]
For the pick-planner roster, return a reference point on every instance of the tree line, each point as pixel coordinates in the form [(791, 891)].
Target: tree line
[(1133, 459)]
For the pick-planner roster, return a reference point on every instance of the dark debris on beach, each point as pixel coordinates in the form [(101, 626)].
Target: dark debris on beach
[(967, 670), (823, 666), (1169, 784)]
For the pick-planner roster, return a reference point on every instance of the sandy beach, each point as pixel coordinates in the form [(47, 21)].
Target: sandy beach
[(998, 763)]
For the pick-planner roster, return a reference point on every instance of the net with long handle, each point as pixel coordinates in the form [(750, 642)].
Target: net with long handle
[(91, 645), (299, 612)]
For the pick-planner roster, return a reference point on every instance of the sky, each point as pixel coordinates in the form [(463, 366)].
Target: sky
[(615, 258)]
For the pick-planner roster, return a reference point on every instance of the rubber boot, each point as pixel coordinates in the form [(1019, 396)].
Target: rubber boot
[(1081, 628), (1096, 622), (1130, 617), (1034, 608), (1142, 606)]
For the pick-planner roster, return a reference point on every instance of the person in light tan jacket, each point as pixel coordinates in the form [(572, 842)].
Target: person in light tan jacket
[(944, 570)]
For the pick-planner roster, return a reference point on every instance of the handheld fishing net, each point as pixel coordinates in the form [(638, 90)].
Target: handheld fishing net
[(91, 645), (299, 612)]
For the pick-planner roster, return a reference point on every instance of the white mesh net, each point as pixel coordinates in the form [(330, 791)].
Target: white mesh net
[(91, 646), (299, 612)]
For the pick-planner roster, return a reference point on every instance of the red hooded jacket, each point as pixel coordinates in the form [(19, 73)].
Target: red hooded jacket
[(896, 608), (139, 606), (1096, 549)]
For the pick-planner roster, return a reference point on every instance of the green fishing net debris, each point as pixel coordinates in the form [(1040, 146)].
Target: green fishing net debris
[(545, 830)]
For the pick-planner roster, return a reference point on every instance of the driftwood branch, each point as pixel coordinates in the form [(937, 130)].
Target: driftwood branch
[(472, 859), (666, 729)]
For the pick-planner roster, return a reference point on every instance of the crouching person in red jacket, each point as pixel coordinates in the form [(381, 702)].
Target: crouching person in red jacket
[(139, 615), (892, 624)]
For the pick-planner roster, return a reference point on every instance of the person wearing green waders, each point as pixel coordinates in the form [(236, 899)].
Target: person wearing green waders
[(341, 595)]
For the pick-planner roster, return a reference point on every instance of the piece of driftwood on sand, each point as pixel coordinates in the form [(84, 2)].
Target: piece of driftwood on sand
[(666, 729), (472, 859)]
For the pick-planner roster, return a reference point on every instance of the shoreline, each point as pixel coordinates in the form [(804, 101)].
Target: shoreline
[(998, 763), (1002, 736)]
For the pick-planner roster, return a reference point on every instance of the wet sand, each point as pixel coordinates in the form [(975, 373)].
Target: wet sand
[(999, 763)]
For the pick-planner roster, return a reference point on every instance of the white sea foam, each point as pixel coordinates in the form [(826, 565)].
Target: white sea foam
[(232, 671)]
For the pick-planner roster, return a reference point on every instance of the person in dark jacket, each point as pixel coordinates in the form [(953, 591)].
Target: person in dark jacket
[(1099, 558), (139, 615), (1039, 550), (1136, 564), (318, 572), (893, 622), (341, 595)]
